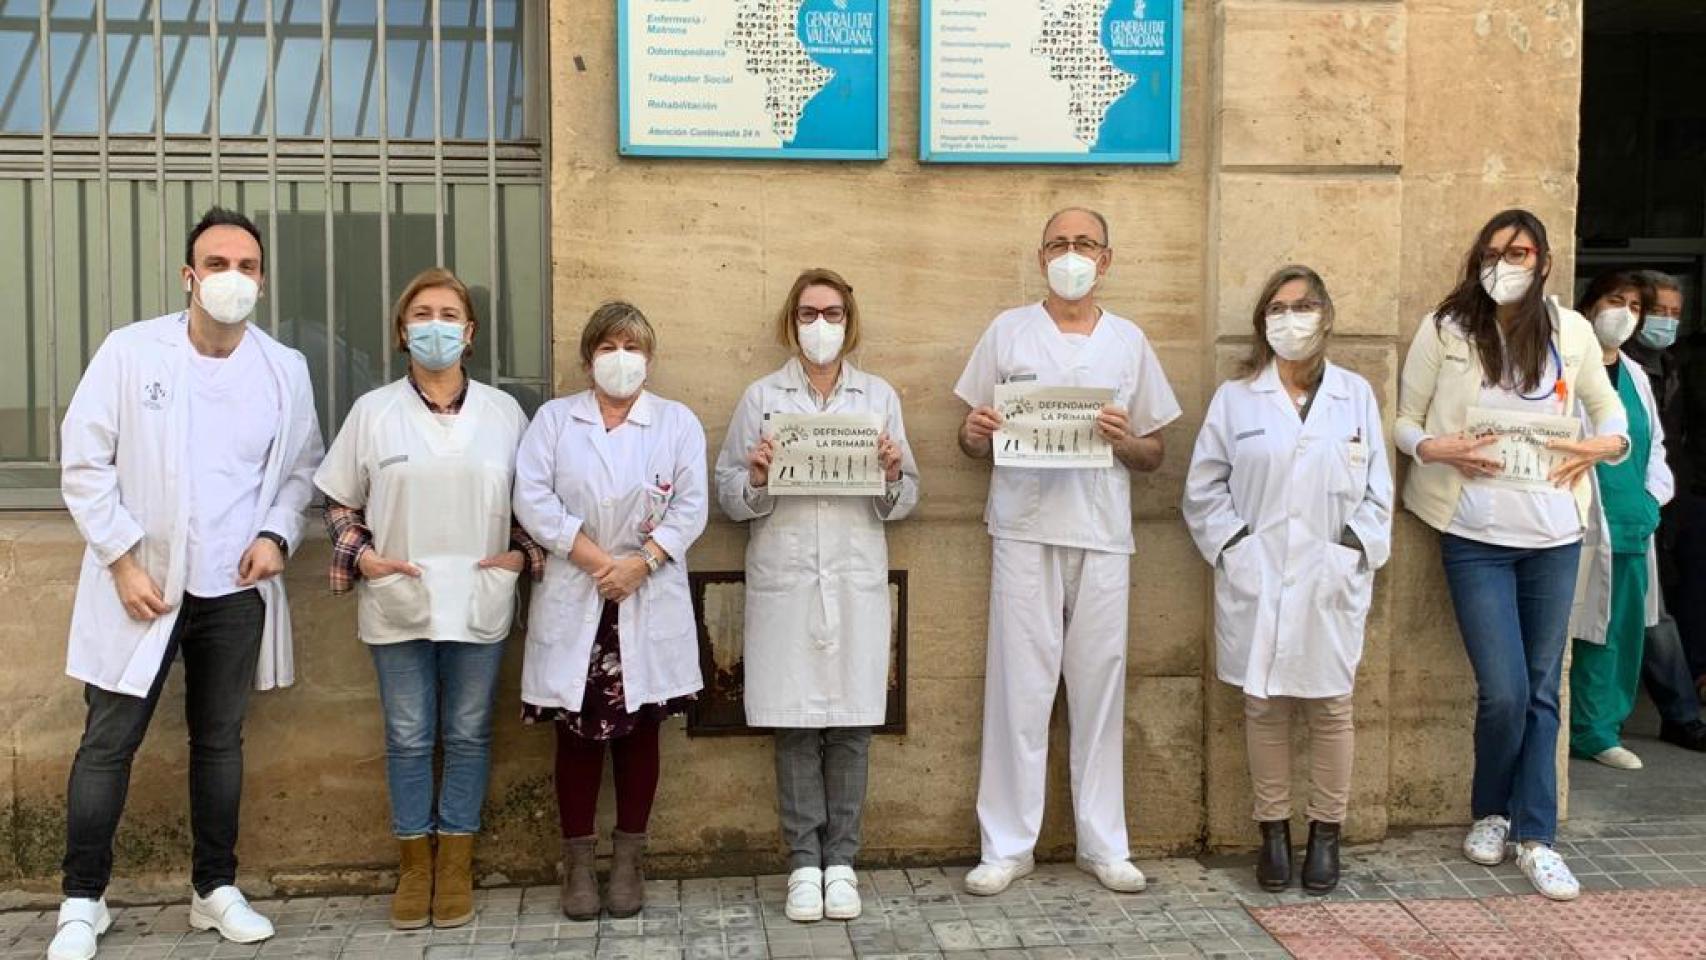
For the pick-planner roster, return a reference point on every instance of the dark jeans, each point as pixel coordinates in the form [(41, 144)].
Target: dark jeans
[(1665, 673), (1513, 609), (220, 640), (1684, 574)]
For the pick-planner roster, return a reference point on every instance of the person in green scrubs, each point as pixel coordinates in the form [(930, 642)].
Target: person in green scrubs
[(1605, 670)]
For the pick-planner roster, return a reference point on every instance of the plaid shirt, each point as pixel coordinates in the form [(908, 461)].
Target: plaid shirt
[(347, 526)]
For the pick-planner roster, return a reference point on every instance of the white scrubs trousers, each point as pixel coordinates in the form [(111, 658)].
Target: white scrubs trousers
[(1053, 612)]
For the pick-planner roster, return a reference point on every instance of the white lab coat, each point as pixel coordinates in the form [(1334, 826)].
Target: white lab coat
[(817, 597), (435, 491), (569, 480), (1289, 600), (124, 444), (1591, 611)]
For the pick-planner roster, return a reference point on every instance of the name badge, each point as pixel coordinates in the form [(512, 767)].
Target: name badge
[(1357, 451)]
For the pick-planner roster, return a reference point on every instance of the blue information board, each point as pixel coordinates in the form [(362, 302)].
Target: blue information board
[(779, 79), (1050, 81)]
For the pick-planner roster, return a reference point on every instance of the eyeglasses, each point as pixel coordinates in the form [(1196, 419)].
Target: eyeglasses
[(1516, 255), (1279, 307), (1084, 245), (806, 314)]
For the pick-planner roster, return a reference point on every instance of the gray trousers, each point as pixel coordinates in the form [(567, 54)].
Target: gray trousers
[(820, 787)]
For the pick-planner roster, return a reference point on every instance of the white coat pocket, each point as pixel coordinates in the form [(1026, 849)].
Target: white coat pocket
[(1352, 583), (1348, 472), (1237, 587), (491, 609), (400, 602)]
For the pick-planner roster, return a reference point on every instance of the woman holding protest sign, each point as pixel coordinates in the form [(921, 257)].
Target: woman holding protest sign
[(817, 627)]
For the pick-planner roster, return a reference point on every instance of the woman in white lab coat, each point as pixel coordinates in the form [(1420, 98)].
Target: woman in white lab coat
[(817, 599), (434, 598), (611, 481), (1289, 497), (1617, 586)]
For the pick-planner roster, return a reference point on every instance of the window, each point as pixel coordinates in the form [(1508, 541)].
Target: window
[(368, 141)]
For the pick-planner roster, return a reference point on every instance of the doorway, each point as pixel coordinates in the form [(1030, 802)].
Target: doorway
[(1642, 205)]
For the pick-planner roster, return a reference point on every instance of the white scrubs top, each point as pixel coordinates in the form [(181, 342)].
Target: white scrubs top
[(436, 492), (1090, 508)]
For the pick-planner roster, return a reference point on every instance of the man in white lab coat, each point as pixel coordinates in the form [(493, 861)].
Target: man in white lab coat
[(189, 452), (1061, 565)]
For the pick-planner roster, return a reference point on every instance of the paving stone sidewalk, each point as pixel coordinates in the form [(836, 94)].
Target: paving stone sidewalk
[(1194, 908)]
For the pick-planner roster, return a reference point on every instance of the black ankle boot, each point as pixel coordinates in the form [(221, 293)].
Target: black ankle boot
[(1321, 862), (1273, 864)]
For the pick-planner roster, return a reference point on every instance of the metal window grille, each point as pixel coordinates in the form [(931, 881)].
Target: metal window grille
[(369, 139)]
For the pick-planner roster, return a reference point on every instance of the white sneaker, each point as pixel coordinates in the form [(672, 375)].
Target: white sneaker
[(81, 923), (805, 895), (228, 911), (990, 878), (1485, 844), (841, 893), (1120, 876), (1620, 758), (1546, 870)]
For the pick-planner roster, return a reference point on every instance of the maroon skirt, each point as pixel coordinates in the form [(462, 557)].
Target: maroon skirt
[(604, 707)]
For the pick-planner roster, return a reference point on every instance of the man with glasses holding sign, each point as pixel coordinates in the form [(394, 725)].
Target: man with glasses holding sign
[(1085, 400), (816, 458)]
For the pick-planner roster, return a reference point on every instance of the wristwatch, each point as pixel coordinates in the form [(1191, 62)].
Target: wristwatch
[(283, 544), (652, 561)]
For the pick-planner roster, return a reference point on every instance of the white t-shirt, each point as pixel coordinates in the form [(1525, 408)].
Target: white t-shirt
[(1089, 508), (234, 416), (1529, 519), (435, 489)]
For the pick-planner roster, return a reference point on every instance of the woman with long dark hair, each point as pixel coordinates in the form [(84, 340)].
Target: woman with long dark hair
[(1497, 343)]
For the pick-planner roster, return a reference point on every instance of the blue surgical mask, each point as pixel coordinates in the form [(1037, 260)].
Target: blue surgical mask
[(1658, 332), (436, 344)]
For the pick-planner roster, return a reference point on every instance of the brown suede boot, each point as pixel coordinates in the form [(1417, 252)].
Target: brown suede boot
[(580, 879), (626, 893), (411, 905), (453, 887)]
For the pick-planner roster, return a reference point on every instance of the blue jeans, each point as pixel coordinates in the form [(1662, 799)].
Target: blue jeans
[(425, 687), (1513, 609)]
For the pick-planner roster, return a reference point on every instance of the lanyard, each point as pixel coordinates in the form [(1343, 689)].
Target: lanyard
[(1557, 387)]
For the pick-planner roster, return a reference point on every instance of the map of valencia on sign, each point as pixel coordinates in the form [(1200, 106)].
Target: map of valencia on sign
[(1050, 81), (754, 78)]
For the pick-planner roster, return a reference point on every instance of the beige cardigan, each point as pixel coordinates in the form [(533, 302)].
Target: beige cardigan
[(1442, 379)]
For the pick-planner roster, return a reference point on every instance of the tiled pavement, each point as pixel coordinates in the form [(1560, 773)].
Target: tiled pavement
[(1194, 908)]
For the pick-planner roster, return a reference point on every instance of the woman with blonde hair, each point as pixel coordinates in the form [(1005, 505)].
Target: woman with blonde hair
[(1289, 498), (434, 598), (611, 481), (817, 597)]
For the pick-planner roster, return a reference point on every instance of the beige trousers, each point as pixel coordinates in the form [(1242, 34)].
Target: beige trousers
[(1267, 739)]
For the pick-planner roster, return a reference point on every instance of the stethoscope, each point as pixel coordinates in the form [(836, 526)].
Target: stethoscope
[(1558, 384)]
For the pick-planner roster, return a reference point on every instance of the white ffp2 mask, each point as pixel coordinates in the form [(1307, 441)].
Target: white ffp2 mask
[(1072, 275), (227, 296), (1505, 283), (619, 373), (1613, 325), (821, 340)]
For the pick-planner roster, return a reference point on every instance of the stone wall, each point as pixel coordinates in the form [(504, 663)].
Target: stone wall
[(1368, 139)]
